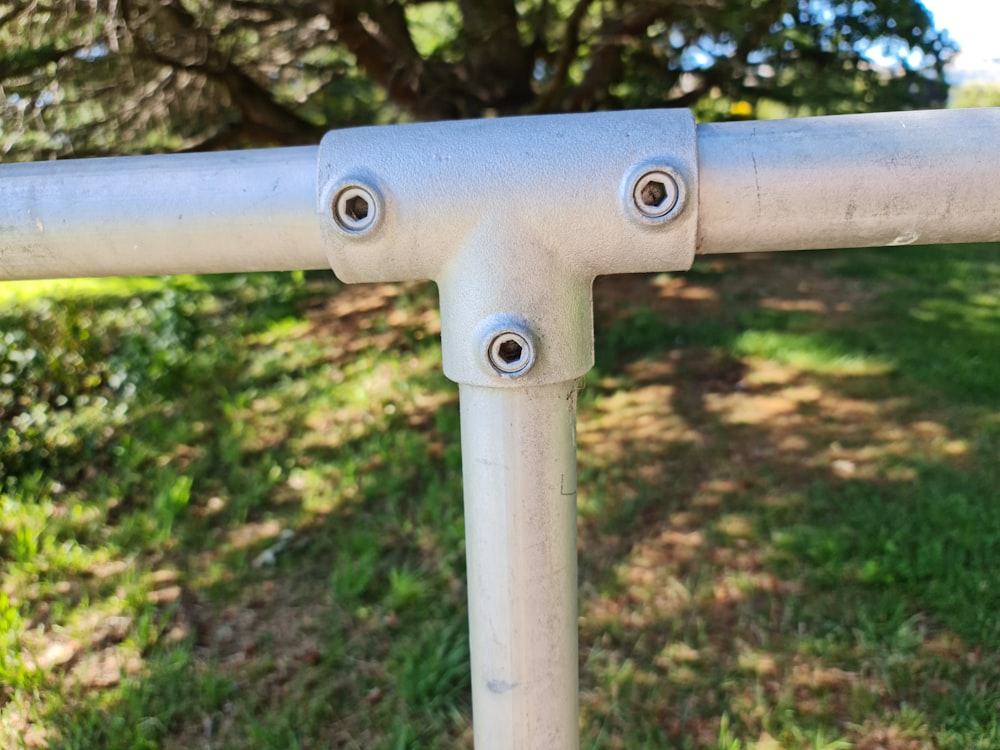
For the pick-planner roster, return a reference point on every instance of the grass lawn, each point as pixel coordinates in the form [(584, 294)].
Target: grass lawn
[(230, 511)]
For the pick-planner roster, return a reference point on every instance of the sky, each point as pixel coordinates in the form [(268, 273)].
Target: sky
[(975, 26)]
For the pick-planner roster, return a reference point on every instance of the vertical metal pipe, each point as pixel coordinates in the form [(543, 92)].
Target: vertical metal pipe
[(519, 466)]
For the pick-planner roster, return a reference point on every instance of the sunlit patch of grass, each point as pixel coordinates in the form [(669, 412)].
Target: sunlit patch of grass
[(812, 352), (230, 512), (22, 291), (844, 429)]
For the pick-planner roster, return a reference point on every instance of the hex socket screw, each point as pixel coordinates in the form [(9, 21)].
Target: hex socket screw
[(656, 193), (510, 353), (355, 209)]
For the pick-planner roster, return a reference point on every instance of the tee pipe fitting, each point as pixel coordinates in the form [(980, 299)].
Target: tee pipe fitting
[(513, 218)]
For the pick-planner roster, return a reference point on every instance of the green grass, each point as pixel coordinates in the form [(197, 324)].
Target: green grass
[(230, 511)]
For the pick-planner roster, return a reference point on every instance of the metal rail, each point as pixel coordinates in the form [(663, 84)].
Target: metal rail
[(160, 215), (844, 181), (514, 218), (901, 178)]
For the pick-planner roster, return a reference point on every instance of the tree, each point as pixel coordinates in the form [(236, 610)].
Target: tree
[(92, 77), (976, 94)]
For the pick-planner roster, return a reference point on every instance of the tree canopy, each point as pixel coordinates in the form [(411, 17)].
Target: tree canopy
[(93, 77)]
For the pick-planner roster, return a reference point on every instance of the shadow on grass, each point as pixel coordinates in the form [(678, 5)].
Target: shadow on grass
[(354, 632), (805, 532), (787, 518)]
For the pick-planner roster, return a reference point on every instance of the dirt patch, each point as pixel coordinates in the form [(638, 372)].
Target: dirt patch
[(385, 317)]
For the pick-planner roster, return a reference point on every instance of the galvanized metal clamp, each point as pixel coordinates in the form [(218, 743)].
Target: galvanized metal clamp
[(513, 218)]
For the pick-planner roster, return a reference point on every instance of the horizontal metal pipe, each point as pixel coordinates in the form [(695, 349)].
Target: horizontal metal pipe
[(847, 181), (153, 215), (850, 181)]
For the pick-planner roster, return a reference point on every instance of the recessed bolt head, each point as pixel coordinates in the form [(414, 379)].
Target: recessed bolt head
[(510, 353), (355, 209), (655, 194)]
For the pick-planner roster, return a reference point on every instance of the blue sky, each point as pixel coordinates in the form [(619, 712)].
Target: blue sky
[(975, 26)]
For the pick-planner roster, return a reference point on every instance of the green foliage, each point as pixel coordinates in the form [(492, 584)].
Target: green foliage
[(642, 331), (936, 543), (85, 78), (895, 554), (145, 711), (15, 675), (727, 741), (434, 671), (975, 95), (231, 512)]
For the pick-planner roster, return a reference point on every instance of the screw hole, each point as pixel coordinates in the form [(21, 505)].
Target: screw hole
[(356, 208), (657, 194), (509, 351), (653, 193)]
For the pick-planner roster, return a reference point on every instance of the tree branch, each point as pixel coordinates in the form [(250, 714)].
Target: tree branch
[(567, 53), (25, 61), (499, 67), (269, 121), (16, 12), (383, 47)]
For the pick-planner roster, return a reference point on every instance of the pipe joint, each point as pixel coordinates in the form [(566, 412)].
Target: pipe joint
[(513, 218)]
